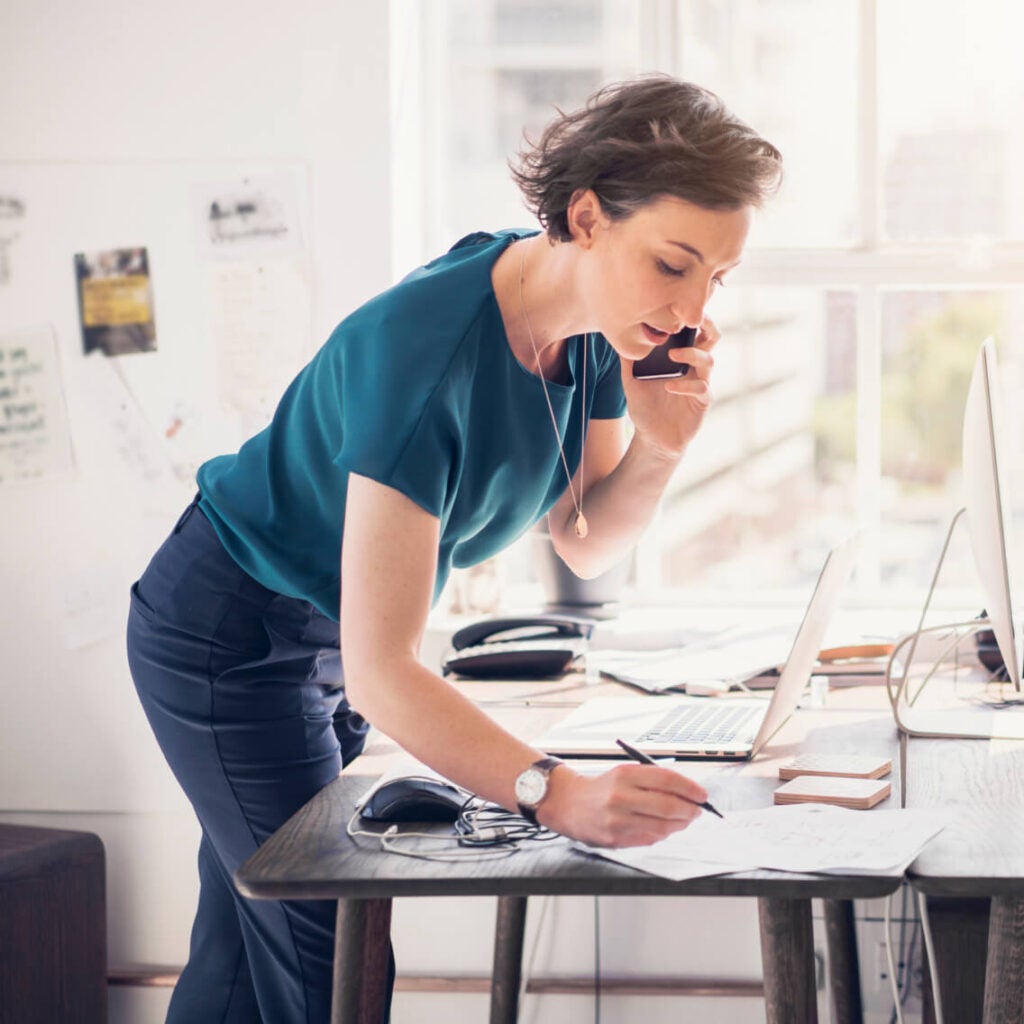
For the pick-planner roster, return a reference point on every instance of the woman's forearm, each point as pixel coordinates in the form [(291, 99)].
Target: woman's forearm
[(618, 509), (429, 718)]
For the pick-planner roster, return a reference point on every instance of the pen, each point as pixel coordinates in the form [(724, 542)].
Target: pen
[(639, 755)]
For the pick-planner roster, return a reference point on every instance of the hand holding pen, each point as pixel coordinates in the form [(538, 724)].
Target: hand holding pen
[(639, 755)]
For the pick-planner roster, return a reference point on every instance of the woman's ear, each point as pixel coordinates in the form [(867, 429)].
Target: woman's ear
[(586, 217)]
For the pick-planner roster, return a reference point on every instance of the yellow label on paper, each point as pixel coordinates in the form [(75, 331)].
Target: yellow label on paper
[(113, 301)]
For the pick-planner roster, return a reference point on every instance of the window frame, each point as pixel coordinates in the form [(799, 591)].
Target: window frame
[(868, 268)]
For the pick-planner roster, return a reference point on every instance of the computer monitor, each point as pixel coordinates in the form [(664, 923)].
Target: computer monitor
[(987, 505)]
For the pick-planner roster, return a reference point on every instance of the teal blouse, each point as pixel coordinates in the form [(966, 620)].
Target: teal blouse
[(419, 390)]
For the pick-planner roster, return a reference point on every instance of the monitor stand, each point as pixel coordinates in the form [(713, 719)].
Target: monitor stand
[(998, 719)]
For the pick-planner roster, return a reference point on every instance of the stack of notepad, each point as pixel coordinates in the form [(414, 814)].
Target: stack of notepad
[(846, 780)]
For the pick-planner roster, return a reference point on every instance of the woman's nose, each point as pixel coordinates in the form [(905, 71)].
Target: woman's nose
[(688, 305)]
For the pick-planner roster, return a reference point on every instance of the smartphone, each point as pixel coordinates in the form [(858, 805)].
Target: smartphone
[(657, 363)]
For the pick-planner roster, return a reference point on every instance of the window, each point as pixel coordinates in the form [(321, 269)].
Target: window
[(896, 245)]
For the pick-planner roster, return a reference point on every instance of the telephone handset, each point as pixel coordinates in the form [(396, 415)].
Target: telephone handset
[(518, 647)]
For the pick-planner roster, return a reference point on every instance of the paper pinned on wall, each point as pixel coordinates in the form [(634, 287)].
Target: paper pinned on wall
[(259, 326), (12, 213), (127, 436), (249, 217), (250, 230), (115, 301), (35, 440)]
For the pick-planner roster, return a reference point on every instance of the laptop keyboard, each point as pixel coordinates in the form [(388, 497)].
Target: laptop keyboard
[(712, 724)]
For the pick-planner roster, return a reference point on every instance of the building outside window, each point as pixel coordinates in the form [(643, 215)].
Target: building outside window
[(850, 331)]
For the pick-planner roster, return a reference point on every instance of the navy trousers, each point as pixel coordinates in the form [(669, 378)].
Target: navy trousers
[(244, 691)]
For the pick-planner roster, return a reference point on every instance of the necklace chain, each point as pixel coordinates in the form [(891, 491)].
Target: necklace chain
[(580, 524)]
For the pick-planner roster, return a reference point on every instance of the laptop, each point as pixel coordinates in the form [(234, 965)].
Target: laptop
[(702, 727)]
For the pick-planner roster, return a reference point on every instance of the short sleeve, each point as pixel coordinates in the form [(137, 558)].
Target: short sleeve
[(609, 401), (396, 426)]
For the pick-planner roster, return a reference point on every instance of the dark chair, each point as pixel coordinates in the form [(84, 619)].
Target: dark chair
[(53, 933)]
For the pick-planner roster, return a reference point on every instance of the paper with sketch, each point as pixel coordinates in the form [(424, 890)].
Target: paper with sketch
[(806, 838), (250, 216), (128, 436), (665, 865)]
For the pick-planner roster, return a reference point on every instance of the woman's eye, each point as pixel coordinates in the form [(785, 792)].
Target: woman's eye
[(665, 268)]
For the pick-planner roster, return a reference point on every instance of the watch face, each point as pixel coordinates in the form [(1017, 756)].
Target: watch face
[(531, 787)]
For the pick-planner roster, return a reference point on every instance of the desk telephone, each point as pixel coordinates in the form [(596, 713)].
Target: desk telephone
[(524, 647)]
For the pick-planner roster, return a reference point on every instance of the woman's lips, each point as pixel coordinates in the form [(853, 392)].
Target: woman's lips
[(654, 336)]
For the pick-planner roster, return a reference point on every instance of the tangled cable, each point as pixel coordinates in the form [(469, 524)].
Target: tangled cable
[(483, 830)]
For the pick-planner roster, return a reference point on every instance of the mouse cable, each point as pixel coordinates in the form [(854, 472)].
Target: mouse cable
[(929, 948), (897, 1003), (480, 820), (391, 838)]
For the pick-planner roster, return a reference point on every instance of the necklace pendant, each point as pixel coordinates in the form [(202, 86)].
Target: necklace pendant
[(581, 525)]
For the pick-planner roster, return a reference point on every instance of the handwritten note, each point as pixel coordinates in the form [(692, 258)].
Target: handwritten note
[(259, 324), (34, 436)]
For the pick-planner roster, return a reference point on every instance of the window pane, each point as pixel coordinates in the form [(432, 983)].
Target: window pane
[(930, 342), (507, 67), (788, 68), (768, 485), (951, 102)]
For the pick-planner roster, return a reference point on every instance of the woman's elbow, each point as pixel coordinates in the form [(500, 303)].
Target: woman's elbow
[(359, 670), (371, 676), (577, 562)]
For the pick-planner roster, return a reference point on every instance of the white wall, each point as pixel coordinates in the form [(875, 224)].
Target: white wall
[(109, 113)]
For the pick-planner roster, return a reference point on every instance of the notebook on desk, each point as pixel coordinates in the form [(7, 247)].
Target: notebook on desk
[(725, 661), (699, 727)]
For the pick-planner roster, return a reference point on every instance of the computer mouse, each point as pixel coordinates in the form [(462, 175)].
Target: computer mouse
[(414, 798)]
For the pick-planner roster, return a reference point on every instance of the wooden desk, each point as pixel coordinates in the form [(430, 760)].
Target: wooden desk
[(978, 857), (311, 857)]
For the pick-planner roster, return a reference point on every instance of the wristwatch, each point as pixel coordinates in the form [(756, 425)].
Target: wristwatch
[(532, 786)]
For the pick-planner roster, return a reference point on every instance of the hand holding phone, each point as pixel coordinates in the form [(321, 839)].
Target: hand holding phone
[(657, 363)]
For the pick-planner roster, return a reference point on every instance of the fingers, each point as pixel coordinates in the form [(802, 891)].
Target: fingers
[(647, 803), (668, 787), (700, 361), (698, 356), (698, 390), (708, 335)]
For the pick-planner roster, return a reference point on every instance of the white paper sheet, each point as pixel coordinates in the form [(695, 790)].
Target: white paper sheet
[(259, 325), (34, 436), (249, 216), (131, 439), (806, 838), (665, 865)]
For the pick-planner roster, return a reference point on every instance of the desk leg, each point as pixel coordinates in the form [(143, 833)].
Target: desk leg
[(843, 963), (1004, 974), (787, 959), (960, 931), (508, 959), (361, 961)]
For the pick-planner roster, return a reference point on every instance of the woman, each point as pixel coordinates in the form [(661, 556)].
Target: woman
[(437, 424)]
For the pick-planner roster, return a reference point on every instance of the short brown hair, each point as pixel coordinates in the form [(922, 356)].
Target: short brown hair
[(637, 140)]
